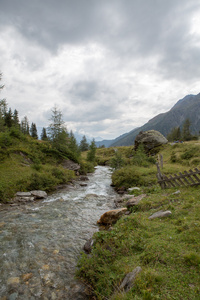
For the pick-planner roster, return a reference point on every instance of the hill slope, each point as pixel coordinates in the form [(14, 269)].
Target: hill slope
[(188, 107)]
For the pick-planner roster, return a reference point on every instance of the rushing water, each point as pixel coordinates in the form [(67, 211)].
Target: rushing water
[(40, 242)]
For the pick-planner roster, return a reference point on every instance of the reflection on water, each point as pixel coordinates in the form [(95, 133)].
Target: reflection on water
[(40, 243)]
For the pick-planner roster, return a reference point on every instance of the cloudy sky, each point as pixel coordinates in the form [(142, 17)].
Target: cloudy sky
[(108, 65)]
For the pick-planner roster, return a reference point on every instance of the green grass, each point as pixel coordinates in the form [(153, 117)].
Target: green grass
[(166, 249), (28, 164)]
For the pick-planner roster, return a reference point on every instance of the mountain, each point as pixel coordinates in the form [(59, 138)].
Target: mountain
[(107, 143), (188, 107)]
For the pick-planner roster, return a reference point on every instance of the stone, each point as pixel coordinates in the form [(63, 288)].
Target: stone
[(134, 188), (135, 200), (176, 193), (23, 194), (83, 178), (2, 224), (45, 267), (112, 216), (129, 279), (70, 165), (13, 281), (160, 214), (150, 139), (83, 184), (126, 197), (39, 194), (26, 277), (88, 246)]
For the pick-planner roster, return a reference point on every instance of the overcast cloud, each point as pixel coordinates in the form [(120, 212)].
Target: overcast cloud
[(108, 65)]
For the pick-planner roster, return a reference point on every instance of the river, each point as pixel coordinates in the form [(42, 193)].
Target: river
[(40, 242)]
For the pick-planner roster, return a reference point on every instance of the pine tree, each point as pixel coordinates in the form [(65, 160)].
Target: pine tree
[(186, 134), (33, 131), (44, 135), (92, 151), (175, 134), (84, 146), (24, 125), (73, 146), (16, 119), (8, 118), (3, 110), (57, 132)]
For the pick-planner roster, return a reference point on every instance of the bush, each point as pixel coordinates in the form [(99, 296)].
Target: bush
[(117, 161), (127, 177), (42, 181), (141, 159), (190, 153), (5, 140)]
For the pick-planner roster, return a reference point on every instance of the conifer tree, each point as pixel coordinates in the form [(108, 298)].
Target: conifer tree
[(44, 135), (186, 134), (73, 146), (84, 146), (33, 131), (57, 132), (92, 151), (8, 118), (16, 119), (24, 125)]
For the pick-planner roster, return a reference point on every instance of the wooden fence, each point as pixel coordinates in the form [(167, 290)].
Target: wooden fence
[(187, 178)]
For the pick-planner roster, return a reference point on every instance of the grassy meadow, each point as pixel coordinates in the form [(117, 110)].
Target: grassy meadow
[(168, 249)]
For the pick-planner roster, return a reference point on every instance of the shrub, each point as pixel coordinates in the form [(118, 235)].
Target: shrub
[(117, 161), (141, 159), (42, 181), (127, 177), (190, 153), (5, 140)]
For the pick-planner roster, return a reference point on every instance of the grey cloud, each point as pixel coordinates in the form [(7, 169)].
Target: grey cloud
[(84, 90)]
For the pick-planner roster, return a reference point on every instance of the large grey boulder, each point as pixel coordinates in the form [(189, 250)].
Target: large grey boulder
[(150, 139), (39, 194)]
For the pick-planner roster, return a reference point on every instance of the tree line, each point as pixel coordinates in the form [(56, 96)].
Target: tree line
[(56, 133), (182, 133)]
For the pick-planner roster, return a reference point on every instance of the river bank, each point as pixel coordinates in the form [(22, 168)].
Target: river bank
[(44, 238)]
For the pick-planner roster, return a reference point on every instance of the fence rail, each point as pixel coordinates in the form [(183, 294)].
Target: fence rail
[(187, 178)]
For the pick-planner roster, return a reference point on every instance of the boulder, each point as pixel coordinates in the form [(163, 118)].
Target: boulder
[(70, 165), (83, 178), (88, 246), (150, 139), (39, 194), (23, 194), (112, 216), (160, 214), (135, 200), (129, 279)]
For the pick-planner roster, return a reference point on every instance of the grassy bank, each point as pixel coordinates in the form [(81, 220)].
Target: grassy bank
[(28, 164), (166, 249)]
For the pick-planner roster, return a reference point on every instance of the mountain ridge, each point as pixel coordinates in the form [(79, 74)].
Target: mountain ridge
[(187, 107)]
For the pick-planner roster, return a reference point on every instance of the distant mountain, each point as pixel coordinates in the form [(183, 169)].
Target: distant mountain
[(107, 143), (188, 107)]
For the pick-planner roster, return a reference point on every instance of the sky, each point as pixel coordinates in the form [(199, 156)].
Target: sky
[(108, 65)]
